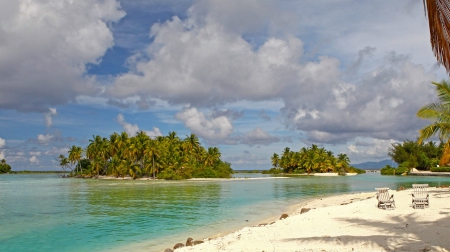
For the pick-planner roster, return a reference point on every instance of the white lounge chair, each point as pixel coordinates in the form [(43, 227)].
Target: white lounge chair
[(384, 200), (420, 197)]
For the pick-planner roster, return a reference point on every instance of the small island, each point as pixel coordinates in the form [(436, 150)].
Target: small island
[(311, 160), (164, 157), (4, 167)]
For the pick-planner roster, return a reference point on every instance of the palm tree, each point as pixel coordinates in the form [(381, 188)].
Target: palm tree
[(153, 151), (212, 156), (63, 162), (438, 12), (191, 144), (343, 161), (75, 154), (275, 160), (439, 114)]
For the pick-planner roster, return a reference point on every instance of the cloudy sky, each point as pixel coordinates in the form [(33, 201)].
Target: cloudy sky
[(250, 77)]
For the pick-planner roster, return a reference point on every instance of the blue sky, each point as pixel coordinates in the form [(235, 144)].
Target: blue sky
[(250, 77)]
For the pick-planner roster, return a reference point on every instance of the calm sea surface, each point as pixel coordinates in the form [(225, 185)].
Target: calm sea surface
[(48, 213)]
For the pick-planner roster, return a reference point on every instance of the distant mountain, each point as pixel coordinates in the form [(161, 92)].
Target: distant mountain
[(375, 165)]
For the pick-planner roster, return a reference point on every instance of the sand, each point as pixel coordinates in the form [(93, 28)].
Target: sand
[(349, 222)]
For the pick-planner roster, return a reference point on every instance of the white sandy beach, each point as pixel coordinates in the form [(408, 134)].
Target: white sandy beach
[(348, 223)]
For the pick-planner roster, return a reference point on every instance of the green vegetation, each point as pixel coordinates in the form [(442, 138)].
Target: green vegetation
[(439, 114), (440, 169), (416, 154), (166, 157), (308, 160), (389, 170), (249, 171), (4, 167), (37, 172)]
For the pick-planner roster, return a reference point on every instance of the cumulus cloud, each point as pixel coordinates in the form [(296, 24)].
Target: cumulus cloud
[(34, 160), (203, 64), (259, 137), (154, 133), (212, 129), (44, 47), (2, 142), (130, 129), (374, 151), (45, 139), (379, 106), (2, 154), (48, 117)]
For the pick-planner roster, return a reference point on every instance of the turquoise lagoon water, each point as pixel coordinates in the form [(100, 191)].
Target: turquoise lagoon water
[(48, 213)]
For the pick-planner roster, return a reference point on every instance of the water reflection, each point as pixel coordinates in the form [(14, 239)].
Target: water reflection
[(45, 213)]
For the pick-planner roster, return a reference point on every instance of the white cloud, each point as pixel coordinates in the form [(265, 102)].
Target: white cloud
[(2, 154), (213, 129), (154, 133), (45, 139), (259, 137), (34, 160), (57, 151), (44, 46), (376, 150), (48, 117), (2, 142), (130, 129), (35, 153)]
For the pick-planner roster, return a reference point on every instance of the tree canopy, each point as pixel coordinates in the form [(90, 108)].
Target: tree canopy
[(165, 157), (309, 160), (416, 154), (4, 167)]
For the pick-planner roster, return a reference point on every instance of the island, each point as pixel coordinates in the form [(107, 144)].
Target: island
[(164, 157)]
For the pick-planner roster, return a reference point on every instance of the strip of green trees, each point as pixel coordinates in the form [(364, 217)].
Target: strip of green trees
[(4, 167), (165, 157), (413, 154), (311, 160)]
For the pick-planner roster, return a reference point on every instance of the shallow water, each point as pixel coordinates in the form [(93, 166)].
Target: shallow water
[(42, 212)]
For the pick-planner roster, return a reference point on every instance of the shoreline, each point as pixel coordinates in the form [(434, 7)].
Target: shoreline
[(349, 222)]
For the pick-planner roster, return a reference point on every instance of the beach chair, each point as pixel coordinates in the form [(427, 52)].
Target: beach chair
[(384, 200), (420, 197)]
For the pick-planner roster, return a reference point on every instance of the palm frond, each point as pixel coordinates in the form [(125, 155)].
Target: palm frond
[(438, 12), (443, 91), (431, 111)]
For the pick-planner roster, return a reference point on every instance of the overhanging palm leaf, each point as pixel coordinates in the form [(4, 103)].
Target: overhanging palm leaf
[(438, 12)]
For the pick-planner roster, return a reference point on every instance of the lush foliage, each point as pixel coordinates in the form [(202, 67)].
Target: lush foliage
[(389, 170), (352, 169), (416, 154), (308, 160), (166, 157), (272, 171), (4, 167), (440, 169), (439, 114)]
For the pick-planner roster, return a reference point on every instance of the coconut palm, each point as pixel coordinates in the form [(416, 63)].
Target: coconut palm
[(75, 155), (438, 12), (275, 160), (152, 150), (439, 114)]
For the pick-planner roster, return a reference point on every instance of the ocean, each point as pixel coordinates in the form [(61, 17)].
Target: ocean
[(43, 212)]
